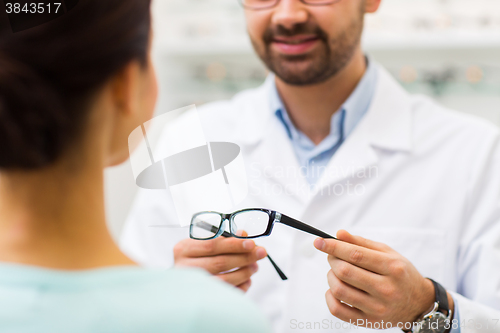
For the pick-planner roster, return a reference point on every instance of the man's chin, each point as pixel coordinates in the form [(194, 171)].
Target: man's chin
[(296, 73)]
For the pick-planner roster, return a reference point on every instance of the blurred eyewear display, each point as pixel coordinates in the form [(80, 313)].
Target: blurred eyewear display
[(255, 222)]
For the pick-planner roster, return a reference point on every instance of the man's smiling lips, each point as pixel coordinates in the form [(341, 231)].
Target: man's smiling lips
[(297, 44)]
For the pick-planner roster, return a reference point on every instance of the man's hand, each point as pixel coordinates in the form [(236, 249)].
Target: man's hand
[(220, 255), (381, 285)]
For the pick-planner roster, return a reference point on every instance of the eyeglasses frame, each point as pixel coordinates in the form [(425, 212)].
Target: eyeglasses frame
[(276, 2), (274, 217)]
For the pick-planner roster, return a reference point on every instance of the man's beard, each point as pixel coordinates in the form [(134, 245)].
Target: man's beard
[(325, 61)]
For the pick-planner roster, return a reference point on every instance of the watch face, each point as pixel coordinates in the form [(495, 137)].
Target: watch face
[(437, 323)]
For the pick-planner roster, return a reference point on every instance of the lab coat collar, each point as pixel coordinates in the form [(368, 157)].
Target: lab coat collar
[(387, 126), (388, 122), (256, 119)]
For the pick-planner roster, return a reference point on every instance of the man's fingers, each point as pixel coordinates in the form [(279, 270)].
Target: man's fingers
[(205, 248), (346, 293), (340, 310), (240, 276), (245, 286), (345, 236), (355, 276), (225, 262), (241, 233), (371, 260)]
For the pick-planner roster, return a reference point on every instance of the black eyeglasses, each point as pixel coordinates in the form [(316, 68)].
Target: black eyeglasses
[(266, 4), (256, 222)]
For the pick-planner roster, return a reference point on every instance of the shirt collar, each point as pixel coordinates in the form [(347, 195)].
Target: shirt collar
[(359, 101), (353, 109)]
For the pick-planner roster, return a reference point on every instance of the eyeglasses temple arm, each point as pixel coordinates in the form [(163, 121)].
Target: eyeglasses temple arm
[(302, 226), (226, 234), (280, 272)]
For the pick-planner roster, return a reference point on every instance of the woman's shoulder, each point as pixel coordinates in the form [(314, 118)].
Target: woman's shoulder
[(125, 299), (213, 305)]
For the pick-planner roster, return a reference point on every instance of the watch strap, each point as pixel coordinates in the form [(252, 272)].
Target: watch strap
[(441, 297)]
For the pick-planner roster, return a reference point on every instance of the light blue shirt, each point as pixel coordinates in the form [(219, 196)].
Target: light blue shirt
[(122, 299), (314, 158)]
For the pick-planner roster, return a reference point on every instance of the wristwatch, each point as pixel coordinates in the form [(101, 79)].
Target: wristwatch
[(438, 320)]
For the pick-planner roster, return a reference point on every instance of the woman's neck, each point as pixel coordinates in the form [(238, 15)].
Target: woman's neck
[(55, 218)]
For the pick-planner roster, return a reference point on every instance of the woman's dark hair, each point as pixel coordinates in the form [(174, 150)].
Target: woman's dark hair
[(49, 74)]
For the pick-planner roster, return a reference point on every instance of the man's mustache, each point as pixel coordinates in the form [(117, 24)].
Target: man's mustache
[(280, 31)]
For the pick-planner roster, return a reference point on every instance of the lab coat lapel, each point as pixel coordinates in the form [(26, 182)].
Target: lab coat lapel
[(286, 174), (265, 139), (254, 117), (387, 126)]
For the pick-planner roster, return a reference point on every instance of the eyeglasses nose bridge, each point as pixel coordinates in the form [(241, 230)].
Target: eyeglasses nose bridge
[(290, 4), (228, 218), (289, 12), (222, 227), (232, 226)]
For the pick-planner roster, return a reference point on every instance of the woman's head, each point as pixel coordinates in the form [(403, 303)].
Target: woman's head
[(65, 80)]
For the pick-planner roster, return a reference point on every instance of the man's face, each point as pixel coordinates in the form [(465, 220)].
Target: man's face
[(305, 44)]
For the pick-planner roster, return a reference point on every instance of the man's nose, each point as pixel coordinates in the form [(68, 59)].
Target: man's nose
[(288, 13)]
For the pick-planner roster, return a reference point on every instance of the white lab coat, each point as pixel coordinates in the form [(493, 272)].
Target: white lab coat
[(413, 175)]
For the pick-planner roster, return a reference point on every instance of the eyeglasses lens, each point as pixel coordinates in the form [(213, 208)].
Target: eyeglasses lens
[(253, 222), (205, 226)]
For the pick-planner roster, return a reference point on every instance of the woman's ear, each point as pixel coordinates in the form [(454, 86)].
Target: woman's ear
[(125, 112), (371, 6), (124, 88)]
